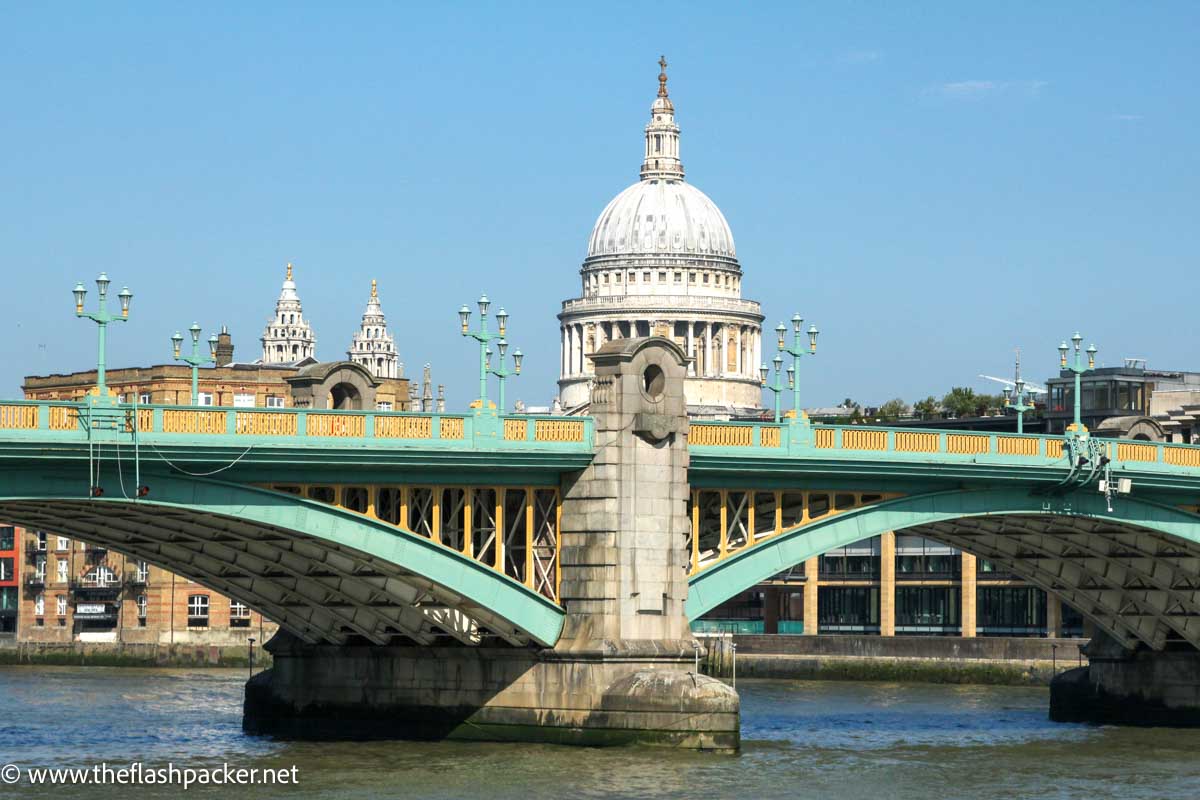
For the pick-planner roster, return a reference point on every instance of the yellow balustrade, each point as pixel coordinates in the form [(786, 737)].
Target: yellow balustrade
[(1130, 451), (854, 439), (145, 421), (1054, 448), (558, 430), (966, 443), (177, 420), (340, 425), (916, 442), (266, 423), (824, 438), (514, 430), (1182, 456), (722, 435), (769, 437), (63, 418), (18, 417), (403, 428), (453, 428), (1016, 446)]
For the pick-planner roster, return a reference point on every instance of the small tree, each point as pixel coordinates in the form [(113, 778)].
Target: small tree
[(893, 410), (927, 408), (961, 401)]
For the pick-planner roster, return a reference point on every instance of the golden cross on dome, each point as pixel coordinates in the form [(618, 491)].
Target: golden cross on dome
[(662, 76), (289, 272), (374, 291)]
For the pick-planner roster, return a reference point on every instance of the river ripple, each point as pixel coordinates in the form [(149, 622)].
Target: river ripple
[(800, 740)]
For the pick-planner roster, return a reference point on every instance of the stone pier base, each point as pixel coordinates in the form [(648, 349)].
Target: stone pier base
[(1119, 687), (620, 693)]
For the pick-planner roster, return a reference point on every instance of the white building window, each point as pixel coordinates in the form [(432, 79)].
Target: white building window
[(243, 400), (39, 568), (239, 615), (39, 605), (206, 398), (144, 398), (41, 545), (142, 603), (62, 570), (62, 543), (60, 605), (198, 611), (383, 405), (143, 572), (274, 401)]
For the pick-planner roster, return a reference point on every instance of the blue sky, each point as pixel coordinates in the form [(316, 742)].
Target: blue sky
[(932, 185)]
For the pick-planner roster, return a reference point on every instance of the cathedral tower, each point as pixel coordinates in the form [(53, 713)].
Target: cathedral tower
[(372, 346), (288, 338)]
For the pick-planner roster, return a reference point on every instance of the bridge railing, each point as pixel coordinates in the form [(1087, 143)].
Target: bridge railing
[(784, 439), (281, 425)]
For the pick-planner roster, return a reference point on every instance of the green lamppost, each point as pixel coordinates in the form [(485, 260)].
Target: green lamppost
[(195, 359), (483, 337), (102, 318), (1017, 392), (796, 351), (777, 388), (501, 372), (1076, 366)]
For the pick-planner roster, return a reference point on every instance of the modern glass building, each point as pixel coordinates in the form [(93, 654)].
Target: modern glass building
[(895, 585)]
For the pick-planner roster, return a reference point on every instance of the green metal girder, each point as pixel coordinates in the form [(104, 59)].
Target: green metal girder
[(483, 586), (746, 568)]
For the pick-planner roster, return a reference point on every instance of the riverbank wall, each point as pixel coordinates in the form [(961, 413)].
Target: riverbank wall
[(130, 654), (925, 659)]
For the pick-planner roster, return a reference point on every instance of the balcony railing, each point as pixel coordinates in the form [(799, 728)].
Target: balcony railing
[(95, 584)]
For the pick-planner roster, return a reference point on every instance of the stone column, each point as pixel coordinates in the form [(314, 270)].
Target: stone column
[(968, 595), (691, 345), (887, 584), (1053, 617), (579, 349), (739, 367), (812, 572), (708, 350)]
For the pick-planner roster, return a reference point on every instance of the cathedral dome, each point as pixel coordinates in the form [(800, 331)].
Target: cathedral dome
[(661, 218)]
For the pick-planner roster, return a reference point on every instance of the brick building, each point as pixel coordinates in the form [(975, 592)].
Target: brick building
[(74, 592), (9, 579)]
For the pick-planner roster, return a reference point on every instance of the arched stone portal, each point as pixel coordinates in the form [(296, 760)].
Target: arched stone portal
[(342, 385), (345, 397)]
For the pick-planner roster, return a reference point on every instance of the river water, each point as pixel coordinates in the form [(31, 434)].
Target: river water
[(800, 740)]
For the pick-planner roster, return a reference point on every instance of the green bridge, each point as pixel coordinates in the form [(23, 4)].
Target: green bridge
[(516, 539)]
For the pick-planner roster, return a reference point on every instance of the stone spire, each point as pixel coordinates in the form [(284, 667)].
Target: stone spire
[(287, 338), (372, 346), (662, 135)]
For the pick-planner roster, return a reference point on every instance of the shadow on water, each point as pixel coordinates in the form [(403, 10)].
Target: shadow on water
[(800, 739)]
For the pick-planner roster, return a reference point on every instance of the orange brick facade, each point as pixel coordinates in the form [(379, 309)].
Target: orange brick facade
[(72, 592)]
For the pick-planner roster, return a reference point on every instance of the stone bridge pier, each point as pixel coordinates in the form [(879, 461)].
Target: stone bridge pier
[(621, 670), (1121, 686)]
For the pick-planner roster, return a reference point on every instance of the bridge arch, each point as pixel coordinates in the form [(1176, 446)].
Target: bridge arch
[(1134, 572), (324, 573)]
